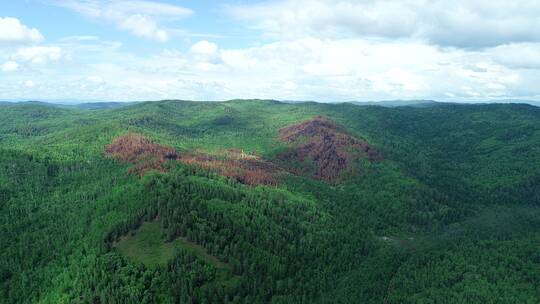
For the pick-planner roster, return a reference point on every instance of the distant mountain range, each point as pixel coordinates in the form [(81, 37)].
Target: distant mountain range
[(422, 102), (100, 105), (398, 103), (384, 103), (84, 105)]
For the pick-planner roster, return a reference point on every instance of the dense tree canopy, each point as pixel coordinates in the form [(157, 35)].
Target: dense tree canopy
[(449, 212)]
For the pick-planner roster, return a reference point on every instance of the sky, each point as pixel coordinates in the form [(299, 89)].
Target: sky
[(322, 50)]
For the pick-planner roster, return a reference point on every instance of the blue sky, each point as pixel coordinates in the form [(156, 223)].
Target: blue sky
[(322, 50)]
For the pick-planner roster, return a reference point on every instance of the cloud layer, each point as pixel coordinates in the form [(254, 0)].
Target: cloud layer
[(459, 23), (304, 50)]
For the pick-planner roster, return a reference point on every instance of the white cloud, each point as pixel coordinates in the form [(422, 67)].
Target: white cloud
[(205, 54), (9, 66), (141, 18), (204, 48), (39, 54), (459, 23), (29, 84), (13, 31), (144, 27), (518, 55)]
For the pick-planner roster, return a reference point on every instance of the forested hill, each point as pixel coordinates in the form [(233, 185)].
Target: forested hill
[(253, 201)]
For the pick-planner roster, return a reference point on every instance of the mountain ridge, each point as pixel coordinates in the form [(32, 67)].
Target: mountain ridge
[(383, 103)]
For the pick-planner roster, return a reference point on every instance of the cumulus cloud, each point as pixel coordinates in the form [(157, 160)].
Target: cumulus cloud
[(447, 23), (13, 31), (517, 55), (9, 66), (205, 52), (141, 18), (204, 48), (39, 54)]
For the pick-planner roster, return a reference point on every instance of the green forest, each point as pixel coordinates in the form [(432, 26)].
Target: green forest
[(258, 201)]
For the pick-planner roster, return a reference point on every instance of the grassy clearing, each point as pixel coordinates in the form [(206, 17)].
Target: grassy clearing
[(146, 245), (201, 252)]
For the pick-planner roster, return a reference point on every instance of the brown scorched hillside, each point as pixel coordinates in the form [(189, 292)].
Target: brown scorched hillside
[(146, 155), (322, 148), (141, 151), (317, 148)]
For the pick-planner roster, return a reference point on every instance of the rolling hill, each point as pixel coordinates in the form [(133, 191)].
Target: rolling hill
[(252, 201)]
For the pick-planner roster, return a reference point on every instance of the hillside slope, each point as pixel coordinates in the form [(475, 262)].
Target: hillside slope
[(267, 202)]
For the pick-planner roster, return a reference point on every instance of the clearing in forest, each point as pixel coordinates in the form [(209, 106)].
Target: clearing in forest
[(146, 245)]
